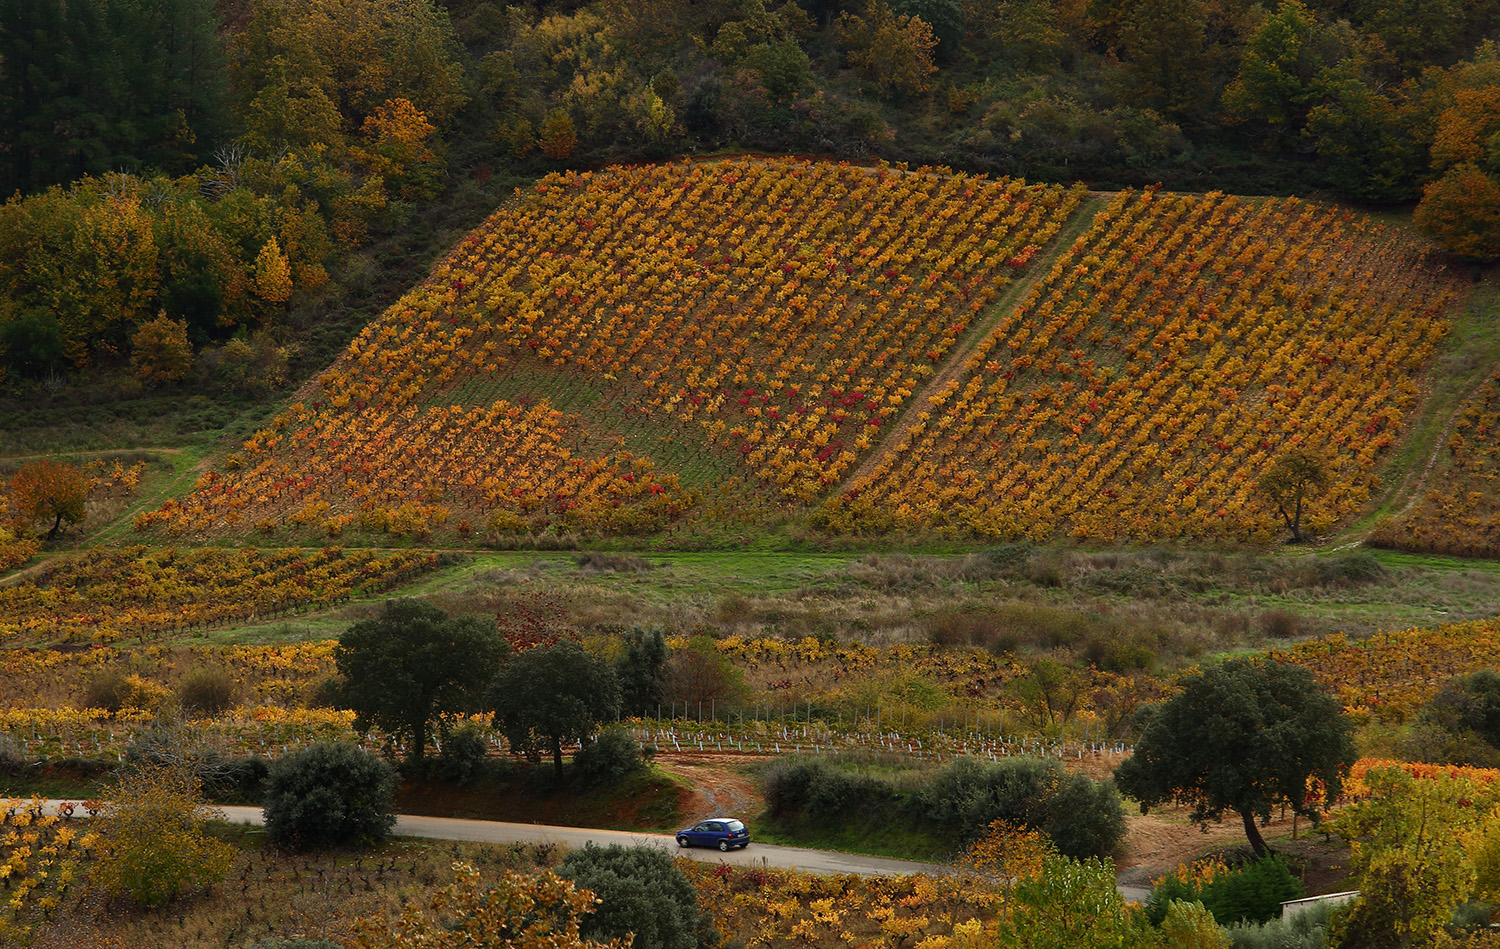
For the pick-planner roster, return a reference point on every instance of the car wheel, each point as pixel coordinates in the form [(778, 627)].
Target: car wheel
[(682, 841), (724, 845)]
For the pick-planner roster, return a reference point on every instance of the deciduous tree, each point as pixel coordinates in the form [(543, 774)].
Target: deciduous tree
[(1410, 852), (1295, 478), (1244, 736), (154, 843), (50, 491), (893, 51), (160, 351)]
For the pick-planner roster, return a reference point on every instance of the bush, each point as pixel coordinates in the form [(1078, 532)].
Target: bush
[(153, 843), (642, 893), (1083, 818), (207, 692), (1251, 893), (1348, 570), (1306, 930), (113, 692), (821, 790), (462, 759), (327, 795), (610, 758)]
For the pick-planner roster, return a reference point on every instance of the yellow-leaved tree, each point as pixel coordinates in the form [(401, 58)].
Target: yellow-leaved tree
[(160, 351), (273, 274), (154, 845), (520, 911)]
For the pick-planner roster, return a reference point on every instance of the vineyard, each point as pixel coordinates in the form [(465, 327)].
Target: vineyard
[(42, 856), (764, 318), (104, 595), (1173, 354), (807, 328), (1460, 511), (1390, 675)]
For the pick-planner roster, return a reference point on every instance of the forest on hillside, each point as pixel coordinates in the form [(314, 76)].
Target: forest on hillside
[(185, 174)]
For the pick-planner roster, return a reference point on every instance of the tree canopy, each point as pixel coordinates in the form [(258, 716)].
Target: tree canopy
[(413, 666), (545, 697), (1243, 736)]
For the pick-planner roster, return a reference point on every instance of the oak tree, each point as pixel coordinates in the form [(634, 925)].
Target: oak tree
[(546, 697), (1244, 736), (413, 666)]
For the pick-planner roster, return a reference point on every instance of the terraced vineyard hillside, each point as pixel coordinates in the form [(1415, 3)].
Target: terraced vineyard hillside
[(837, 341)]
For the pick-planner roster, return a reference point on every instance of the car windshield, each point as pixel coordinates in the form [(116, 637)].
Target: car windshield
[(734, 826)]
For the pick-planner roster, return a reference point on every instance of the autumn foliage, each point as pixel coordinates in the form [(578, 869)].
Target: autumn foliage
[(1174, 354), (51, 492), (154, 846), (1459, 513)]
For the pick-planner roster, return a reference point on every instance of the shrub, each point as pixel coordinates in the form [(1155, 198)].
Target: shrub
[(608, 759), (1250, 893), (642, 893), (113, 692), (1348, 570), (1084, 819), (329, 794), (153, 844), (1306, 930), (462, 758), (821, 790), (207, 692)]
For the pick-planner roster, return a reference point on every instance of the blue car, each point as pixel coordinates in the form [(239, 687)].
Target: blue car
[(726, 833)]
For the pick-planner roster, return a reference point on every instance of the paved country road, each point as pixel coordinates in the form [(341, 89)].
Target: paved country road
[(755, 855), (496, 832)]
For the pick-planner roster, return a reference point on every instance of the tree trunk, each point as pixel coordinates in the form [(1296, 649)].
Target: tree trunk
[(419, 738), (557, 755), (1257, 842), (56, 526)]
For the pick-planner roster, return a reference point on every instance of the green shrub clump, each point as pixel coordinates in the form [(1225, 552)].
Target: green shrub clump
[(1083, 817), (329, 794), (608, 759), (642, 894), (1252, 893), (823, 791)]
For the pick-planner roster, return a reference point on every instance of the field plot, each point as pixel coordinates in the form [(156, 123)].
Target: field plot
[(1460, 511), (1173, 354), (762, 319), (1391, 675), (104, 595)]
